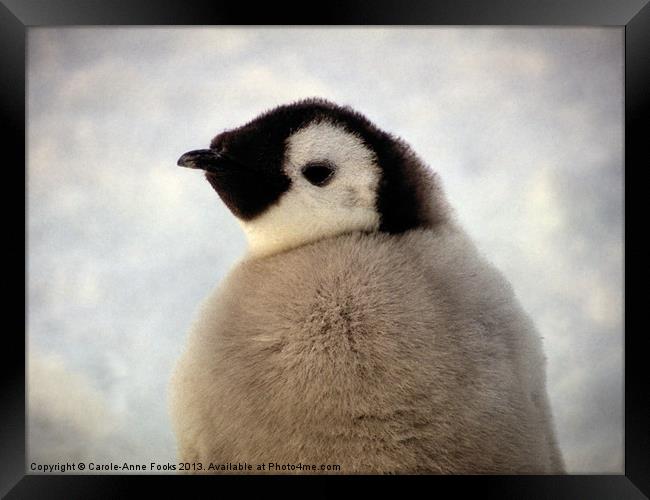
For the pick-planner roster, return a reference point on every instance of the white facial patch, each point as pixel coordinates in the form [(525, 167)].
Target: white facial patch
[(307, 212)]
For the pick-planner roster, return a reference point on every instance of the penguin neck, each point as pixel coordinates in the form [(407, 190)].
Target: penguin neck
[(262, 244), (266, 238)]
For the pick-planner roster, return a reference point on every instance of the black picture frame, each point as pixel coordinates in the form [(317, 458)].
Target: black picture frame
[(18, 15)]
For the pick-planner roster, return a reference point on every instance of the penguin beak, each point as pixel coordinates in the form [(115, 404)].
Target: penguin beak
[(203, 159)]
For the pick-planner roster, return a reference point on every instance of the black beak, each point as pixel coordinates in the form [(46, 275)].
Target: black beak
[(203, 159)]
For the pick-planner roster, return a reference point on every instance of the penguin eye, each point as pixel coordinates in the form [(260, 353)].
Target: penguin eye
[(318, 173)]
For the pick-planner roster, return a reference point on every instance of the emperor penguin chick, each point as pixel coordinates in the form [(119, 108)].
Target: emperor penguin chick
[(362, 328)]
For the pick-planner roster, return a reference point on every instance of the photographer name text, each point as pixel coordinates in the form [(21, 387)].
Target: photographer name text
[(236, 467)]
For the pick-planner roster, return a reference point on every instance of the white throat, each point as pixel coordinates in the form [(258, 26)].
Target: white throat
[(307, 213)]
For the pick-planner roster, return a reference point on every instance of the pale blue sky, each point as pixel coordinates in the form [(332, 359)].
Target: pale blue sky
[(524, 126)]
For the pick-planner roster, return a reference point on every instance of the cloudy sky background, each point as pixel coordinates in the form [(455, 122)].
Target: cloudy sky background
[(525, 127)]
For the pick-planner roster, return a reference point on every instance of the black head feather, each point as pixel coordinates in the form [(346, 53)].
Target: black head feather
[(408, 197)]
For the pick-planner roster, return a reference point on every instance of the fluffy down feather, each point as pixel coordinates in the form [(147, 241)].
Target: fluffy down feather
[(382, 353)]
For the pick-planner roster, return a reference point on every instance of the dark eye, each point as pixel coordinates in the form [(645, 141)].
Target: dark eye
[(318, 173)]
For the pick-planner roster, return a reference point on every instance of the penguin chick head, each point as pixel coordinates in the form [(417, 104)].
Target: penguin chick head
[(311, 170)]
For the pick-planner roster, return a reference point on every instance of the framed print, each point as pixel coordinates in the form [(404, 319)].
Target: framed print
[(524, 123)]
